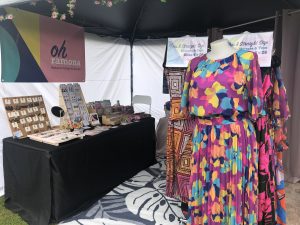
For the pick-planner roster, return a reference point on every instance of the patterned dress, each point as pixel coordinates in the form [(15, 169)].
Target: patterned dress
[(266, 161), (225, 95), (271, 136)]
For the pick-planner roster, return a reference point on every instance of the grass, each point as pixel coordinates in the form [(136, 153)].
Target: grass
[(7, 217)]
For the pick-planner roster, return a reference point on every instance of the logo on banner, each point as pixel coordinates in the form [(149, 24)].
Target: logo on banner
[(261, 43), (59, 55)]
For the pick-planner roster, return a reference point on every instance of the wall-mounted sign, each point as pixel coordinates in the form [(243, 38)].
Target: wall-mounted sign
[(36, 48), (261, 43), (182, 50)]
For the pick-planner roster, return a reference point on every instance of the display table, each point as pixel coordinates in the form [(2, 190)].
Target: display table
[(45, 183)]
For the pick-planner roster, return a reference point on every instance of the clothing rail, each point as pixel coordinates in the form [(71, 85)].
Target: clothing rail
[(257, 21)]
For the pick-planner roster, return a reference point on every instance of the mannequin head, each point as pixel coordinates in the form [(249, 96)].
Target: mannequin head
[(215, 45), (220, 49)]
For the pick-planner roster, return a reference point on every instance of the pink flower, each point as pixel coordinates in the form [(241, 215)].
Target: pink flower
[(9, 17), (63, 17), (54, 15), (50, 1), (109, 4), (97, 2)]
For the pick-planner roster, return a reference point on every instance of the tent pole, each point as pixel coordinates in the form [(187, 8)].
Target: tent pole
[(213, 35), (131, 40), (277, 34), (131, 71)]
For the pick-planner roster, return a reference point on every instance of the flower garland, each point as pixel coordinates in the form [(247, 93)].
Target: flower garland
[(6, 17), (108, 3), (71, 4)]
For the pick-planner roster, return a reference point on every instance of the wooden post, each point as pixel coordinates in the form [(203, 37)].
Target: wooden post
[(277, 35), (214, 34)]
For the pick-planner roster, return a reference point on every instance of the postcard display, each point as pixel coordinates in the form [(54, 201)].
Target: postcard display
[(26, 115), (71, 100)]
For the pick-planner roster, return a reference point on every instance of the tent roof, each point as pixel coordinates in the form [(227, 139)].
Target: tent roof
[(153, 19)]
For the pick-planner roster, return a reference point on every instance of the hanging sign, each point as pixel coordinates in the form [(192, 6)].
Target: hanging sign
[(261, 43), (37, 48), (182, 50)]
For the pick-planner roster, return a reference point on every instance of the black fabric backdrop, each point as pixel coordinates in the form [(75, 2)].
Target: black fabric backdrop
[(44, 182)]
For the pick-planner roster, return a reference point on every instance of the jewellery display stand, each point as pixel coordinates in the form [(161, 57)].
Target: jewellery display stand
[(71, 100), (56, 136), (26, 115)]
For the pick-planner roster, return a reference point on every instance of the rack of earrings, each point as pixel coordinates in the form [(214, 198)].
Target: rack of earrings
[(26, 115)]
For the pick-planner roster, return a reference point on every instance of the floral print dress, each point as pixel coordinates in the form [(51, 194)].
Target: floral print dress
[(271, 136), (226, 96)]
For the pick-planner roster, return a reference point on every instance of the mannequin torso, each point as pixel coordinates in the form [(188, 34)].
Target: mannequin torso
[(220, 49)]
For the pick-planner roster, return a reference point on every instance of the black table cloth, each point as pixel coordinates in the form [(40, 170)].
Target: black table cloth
[(46, 183)]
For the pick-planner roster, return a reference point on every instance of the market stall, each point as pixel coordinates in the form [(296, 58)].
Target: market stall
[(132, 61)]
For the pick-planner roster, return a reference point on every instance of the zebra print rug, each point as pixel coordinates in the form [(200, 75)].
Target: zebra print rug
[(140, 200)]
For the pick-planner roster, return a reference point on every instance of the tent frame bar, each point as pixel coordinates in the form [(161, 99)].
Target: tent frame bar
[(257, 21)]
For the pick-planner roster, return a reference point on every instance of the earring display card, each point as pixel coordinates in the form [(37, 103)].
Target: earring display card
[(74, 103), (26, 115)]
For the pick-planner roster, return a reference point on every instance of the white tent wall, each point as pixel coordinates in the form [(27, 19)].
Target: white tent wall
[(107, 69), (107, 77), (148, 57)]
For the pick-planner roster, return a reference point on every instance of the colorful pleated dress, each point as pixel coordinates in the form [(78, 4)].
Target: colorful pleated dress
[(226, 96)]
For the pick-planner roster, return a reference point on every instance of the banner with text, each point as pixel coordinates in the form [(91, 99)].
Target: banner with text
[(182, 50), (261, 43), (36, 48)]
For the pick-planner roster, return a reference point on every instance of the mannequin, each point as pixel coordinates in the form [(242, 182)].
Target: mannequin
[(220, 49), (225, 100)]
